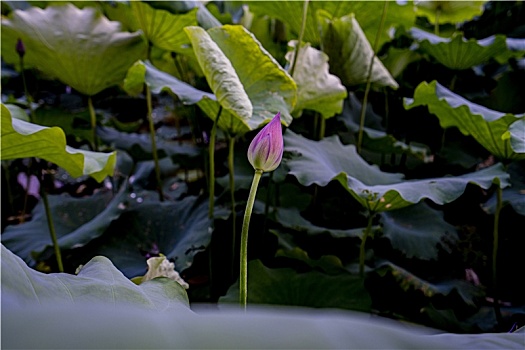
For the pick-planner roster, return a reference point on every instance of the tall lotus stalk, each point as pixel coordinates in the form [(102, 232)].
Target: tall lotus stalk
[(264, 154), (21, 50)]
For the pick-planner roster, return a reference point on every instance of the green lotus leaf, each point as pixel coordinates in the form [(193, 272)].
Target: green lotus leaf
[(368, 14), (285, 286), (249, 84), (143, 228), (317, 89), (97, 281), (145, 73), (323, 161), (490, 128), (76, 220), (408, 281), (374, 138), (513, 195), (160, 27), (517, 136), (458, 52), (350, 52), (449, 11), (291, 218), (418, 231), (21, 139), (80, 47)]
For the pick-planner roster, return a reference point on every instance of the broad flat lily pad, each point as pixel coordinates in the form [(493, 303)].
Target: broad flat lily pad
[(285, 286), (323, 161), (490, 128), (317, 89), (21, 139), (80, 47), (249, 84), (350, 52), (418, 231), (458, 52)]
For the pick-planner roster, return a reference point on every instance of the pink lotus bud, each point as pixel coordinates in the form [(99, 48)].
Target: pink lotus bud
[(266, 150)]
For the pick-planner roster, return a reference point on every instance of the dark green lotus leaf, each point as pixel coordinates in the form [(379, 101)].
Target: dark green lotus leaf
[(323, 161), (408, 281), (145, 73), (350, 52), (317, 89), (397, 60), (291, 218), (329, 264), (285, 286), (160, 27), (249, 84), (69, 214), (490, 128), (458, 52), (74, 123), (368, 14), (98, 281), (374, 138), (139, 145), (21, 139), (418, 231), (517, 136), (515, 194), (449, 11), (81, 48), (178, 229)]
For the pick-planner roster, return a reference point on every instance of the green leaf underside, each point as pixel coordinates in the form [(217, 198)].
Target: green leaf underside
[(350, 52), (486, 126), (312, 289), (159, 81), (21, 139), (80, 47), (98, 281), (317, 89), (457, 52), (249, 84), (517, 136), (449, 11), (368, 14), (417, 231), (323, 161), (160, 27)]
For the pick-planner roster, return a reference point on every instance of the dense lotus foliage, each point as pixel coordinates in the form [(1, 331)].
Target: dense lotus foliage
[(388, 140)]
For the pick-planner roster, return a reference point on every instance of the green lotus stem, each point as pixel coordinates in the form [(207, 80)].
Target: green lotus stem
[(366, 233), (436, 23), (52, 231), (93, 116), (243, 278), (322, 127), (369, 79), (32, 118), (154, 143), (211, 165), (495, 246), (301, 34), (231, 148)]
